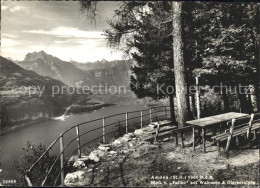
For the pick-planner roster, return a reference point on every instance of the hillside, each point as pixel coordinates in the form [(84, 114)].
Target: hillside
[(21, 99), (102, 72), (48, 65), (116, 73)]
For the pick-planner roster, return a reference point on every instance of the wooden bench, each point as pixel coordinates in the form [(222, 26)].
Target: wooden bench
[(255, 125), (241, 126), (162, 130)]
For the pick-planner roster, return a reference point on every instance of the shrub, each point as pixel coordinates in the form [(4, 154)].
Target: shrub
[(30, 154)]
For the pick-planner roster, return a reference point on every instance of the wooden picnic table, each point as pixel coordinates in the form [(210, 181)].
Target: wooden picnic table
[(204, 123)]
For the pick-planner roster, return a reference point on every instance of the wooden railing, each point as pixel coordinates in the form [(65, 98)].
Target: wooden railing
[(49, 178)]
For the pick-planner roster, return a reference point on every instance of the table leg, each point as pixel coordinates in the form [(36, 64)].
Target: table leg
[(193, 134), (203, 140)]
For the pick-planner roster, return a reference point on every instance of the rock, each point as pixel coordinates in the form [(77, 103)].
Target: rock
[(74, 177), (111, 156), (152, 146), (131, 144), (112, 152), (101, 153), (153, 125), (96, 155), (72, 159), (125, 151), (136, 154), (139, 132), (127, 137), (94, 158), (147, 147), (117, 143), (120, 160), (79, 164), (131, 135), (150, 125), (104, 147), (164, 122), (149, 129), (83, 158), (166, 139), (141, 143)]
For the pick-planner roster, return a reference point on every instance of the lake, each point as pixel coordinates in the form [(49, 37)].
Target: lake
[(46, 132)]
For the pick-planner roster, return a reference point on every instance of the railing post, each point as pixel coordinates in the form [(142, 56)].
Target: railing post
[(198, 98), (141, 119), (126, 122), (151, 115), (78, 140), (104, 130), (165, 109), (27, 179), (61, 160)]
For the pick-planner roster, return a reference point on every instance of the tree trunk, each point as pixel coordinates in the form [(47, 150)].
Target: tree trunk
[(188, 104), (179, 70), (253, 98), (225, 100), (244, 104), (172, 110), (198, 98), (256, 33), (257, 85), (193, 106)]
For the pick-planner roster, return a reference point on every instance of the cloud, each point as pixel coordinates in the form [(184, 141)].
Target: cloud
[(8, 36), (4, 8), (5, 42), (69, 32), (83, 53), (17, 8), (57, 27), (13, 9), (74, 42)]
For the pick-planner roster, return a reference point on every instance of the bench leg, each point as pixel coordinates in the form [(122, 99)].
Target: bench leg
[(157, 132), (255, 133), (176, 138), (193, 135), (203, 140), (237, 141), (246, 136), (228, 143), (218, 145), (182, 144)]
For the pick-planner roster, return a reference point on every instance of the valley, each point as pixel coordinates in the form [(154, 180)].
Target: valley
[(28, 85)]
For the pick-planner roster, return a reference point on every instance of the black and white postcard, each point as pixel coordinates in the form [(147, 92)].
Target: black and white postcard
[(129, 94)]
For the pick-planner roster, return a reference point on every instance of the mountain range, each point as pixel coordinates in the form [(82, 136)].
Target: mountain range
[(42, 71), (48, 65), (22, 102), (110, 73), (73, 73)]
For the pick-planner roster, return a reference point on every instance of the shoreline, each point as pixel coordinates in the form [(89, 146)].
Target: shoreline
[(13, 128), (75, 111)]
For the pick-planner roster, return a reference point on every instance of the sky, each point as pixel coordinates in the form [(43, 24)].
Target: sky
[(56, 27)]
